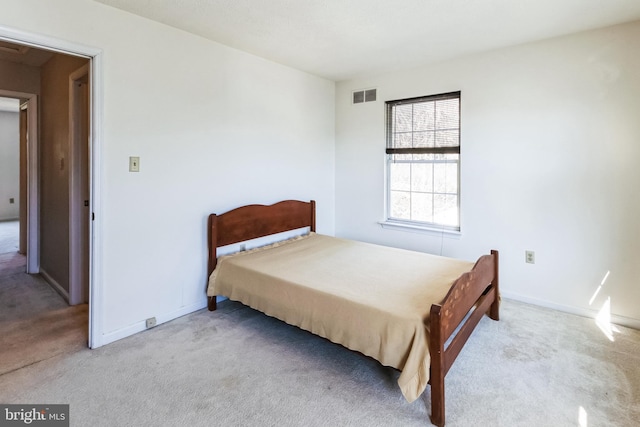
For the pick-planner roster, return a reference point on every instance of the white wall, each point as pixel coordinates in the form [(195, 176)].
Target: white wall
[(214, 128), (550, 149), (9, 165)]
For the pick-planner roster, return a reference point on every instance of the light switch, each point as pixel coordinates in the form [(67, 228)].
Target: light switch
[(134, 164)]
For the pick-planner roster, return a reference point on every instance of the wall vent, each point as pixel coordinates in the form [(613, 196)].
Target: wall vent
[(367, 95), (9, 47)]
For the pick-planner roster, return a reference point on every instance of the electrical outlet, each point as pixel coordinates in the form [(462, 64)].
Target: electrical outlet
[(12, 200), (151, 322), (530, 257)]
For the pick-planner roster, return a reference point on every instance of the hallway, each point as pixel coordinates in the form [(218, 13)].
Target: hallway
[(36, 323)]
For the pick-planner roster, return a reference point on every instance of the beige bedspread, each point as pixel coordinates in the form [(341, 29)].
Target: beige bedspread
[(370, 298)]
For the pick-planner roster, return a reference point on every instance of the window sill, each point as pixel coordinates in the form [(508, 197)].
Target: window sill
[(434, 231)]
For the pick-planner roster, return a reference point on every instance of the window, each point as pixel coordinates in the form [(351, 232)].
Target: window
[(423, 161)]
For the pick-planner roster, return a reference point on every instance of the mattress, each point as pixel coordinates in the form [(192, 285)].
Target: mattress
[(369, 298)]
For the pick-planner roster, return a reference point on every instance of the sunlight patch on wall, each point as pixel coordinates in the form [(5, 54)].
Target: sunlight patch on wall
[(595, 294)]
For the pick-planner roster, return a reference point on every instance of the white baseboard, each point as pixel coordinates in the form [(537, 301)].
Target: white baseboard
[(584, 312), (141, 325), (54, 284)]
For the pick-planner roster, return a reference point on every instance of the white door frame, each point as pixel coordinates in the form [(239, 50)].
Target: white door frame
[(95, 177)]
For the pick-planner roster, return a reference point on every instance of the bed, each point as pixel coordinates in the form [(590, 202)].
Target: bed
[(409, 310)]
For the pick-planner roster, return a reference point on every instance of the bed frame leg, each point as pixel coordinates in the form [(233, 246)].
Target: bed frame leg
[(494, 309), (437, 401), (212, 305), (437, 368)]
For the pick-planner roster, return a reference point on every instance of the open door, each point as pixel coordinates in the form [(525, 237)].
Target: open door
[(79, 189)]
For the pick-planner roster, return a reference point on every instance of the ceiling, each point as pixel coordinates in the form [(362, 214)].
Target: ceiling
[(342, 39)]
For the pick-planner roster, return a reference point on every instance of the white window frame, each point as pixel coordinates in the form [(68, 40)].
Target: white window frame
[(408, 224)]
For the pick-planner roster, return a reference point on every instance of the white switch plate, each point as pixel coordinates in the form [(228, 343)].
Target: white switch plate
[(134, 164)]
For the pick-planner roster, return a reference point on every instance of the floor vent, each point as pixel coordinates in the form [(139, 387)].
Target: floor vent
[(367, 95)]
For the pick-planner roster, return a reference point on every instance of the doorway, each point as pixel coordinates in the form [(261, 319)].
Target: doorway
[(10, 185), (86, 180), (18, 120)]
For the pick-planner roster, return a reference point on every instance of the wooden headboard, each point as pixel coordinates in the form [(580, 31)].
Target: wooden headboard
[(253, 221)]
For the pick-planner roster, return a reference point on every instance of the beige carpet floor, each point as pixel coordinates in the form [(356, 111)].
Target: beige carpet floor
[(9, 236), (12, 263), (35, 322), (42, 336), (238, 367)]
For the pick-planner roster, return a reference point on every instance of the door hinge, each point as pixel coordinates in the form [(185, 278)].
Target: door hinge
[(93, 216)]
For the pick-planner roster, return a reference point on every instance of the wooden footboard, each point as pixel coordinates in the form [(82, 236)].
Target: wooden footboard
[(472, 295)]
